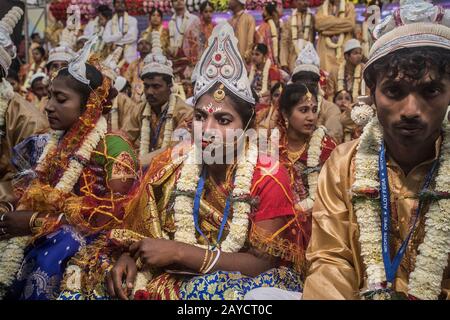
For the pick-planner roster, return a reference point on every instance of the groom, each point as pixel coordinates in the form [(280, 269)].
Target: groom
[(397, 247)]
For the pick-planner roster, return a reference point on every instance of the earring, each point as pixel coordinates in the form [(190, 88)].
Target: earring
[(286, 124)]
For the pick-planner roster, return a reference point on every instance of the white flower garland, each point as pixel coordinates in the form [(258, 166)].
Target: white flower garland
[(115, 115), (13, 249), (330, 44), (73, 172), (361, 114), (365, 39), (11, 256), (265, 78), (183, 206), (115, 23), (115, 29), (294, 29), (356, 79), (312, 162), (144, 145), (425, 280), (274, 37), (174, 45)]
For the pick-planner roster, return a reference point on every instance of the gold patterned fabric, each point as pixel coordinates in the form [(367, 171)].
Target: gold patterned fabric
[(337, 270)]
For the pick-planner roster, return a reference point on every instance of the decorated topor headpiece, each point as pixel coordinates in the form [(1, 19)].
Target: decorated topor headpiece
[(60, 54), (37, 76), (156, 61), (77, 66), (222, 63), (415, 24), (7, 48), (307, 60), (110, 64)]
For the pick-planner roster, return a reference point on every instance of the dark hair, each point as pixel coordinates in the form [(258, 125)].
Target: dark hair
[(261, 47), (378, 3), (105, 11), (275, 87), (271, 8), (96, 80), (337, 93), (204, 5), (151, 75), (34, 35), (409, 63), (154, 9), (306, 77), (245, 109), (41, 50), (35, 81), (126, 87), (49, 64), (292, 95), (348, 53), (13, 75), (102, 8)]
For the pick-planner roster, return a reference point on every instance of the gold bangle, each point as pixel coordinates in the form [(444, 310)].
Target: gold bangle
[(209, 263), (204, 260), (210, 259), (32, 221)]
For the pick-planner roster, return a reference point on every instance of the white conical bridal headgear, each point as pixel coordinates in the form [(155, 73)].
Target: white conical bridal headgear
[(156, 61), (77, 66), (7, 48), (222, 63)]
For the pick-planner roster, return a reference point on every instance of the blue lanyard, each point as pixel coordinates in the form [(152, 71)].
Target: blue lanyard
[(391, 267), (198, 196), (158, 129)]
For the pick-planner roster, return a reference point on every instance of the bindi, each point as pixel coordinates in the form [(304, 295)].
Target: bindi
[(210, 108)]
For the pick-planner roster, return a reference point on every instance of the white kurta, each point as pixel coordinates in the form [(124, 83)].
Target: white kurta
[(178, 36), (129, 39), (90, 28)]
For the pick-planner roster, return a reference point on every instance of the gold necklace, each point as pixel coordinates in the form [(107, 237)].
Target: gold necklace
[(295, 155)]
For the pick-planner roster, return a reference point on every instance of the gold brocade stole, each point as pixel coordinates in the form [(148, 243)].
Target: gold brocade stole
[(212, 206)]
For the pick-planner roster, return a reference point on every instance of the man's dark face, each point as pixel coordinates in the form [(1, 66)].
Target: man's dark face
[(119, 6), (157, 91), (144, 47), (301, 5), (411, 112)]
